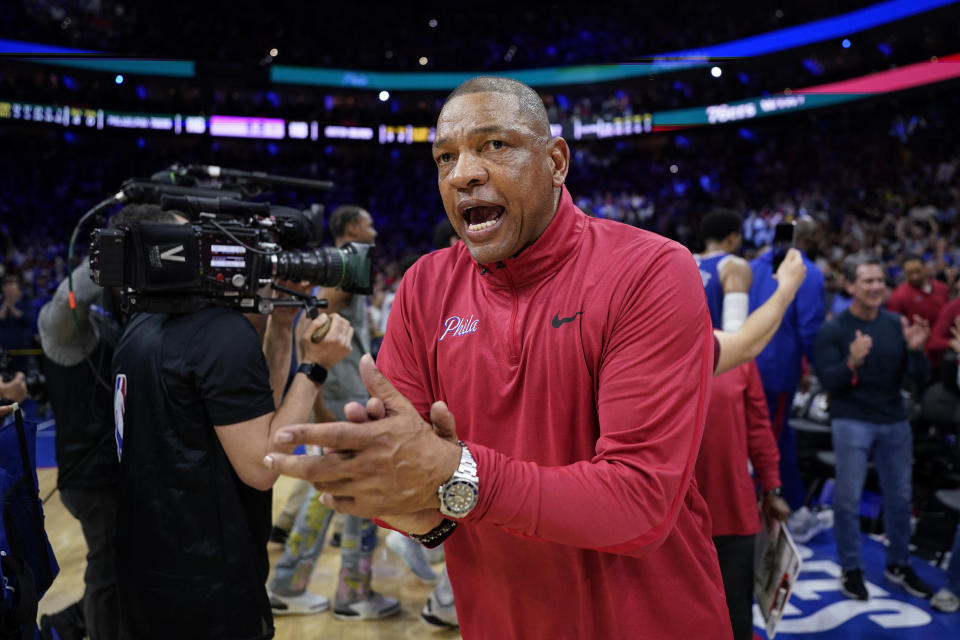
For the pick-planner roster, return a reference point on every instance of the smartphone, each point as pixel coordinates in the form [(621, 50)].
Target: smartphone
[(783, 239)]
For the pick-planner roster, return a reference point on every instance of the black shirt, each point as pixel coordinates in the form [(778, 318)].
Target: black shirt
[(192, 559), (876, 395), (86, 450)]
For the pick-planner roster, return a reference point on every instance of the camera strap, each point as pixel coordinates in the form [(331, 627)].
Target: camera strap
[(28, 474)]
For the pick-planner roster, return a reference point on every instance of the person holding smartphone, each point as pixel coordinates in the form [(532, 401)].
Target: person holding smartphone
[(781, 362)]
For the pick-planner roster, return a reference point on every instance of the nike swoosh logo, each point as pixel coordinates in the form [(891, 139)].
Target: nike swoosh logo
[(557, 320)]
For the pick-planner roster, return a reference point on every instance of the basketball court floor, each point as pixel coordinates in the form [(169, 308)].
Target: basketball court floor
[(816, 610)]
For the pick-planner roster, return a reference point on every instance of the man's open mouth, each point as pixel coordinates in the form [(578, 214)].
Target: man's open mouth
[(481, 217)]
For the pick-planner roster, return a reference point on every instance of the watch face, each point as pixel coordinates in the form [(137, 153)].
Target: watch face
[(459, 497)]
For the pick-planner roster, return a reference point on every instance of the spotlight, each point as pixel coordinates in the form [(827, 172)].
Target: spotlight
[(433, 23), (423, 61), (846, 43), (384, 96), (716, 72), (274, 52), (119, 78), (674, 169)]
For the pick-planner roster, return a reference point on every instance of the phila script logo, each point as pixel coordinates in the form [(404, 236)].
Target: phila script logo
[(456, 326)]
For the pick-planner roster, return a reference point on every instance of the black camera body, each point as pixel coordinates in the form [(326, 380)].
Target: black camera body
[(224, 259)]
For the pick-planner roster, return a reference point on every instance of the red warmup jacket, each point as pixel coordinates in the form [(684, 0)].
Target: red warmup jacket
[(940, 334), (909, 301), (578, 372), (738, 430)]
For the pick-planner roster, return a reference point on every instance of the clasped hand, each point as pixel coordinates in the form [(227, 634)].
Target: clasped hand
[(915, 333), (384, 462)]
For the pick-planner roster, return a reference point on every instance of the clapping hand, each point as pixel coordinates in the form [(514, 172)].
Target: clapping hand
[(955, 333), (387, 460), (916, 333), (859, 349)]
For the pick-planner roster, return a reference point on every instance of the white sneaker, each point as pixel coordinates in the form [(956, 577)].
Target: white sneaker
[(804, 524), (946, 601), (374, 607), (825, 516), (440, 610), (303, 604), (413, 555)]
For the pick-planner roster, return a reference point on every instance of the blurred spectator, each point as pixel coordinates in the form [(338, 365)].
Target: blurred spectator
[(861, 357), (944, 332), (737, 435), (16, 322), (918, 295), (780, 363), (726, 276)]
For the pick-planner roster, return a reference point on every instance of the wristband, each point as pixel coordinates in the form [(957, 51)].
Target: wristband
[(313, 371), (853, 370), (435, 537)]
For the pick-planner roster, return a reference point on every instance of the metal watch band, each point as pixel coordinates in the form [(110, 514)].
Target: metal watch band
[(435, 537), (464, 481)]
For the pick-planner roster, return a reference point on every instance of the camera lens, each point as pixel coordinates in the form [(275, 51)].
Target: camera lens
[(323, 266), (349, 267)]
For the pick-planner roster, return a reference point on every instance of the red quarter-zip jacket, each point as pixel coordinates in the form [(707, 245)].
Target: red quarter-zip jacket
[(737, 432), (579, 373)]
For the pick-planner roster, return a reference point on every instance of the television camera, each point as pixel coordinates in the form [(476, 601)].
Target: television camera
[(231, 247)]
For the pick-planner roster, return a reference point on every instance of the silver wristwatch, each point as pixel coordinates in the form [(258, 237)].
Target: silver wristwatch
[(458, 495)]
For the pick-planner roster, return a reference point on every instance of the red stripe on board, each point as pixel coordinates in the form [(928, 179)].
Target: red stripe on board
[(912, 75)]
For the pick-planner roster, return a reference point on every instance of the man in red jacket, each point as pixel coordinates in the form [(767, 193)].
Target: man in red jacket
[(944, 331), (918, 294), (575, 354)]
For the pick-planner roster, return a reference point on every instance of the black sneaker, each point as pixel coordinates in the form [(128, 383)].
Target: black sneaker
[(906, 577), (851, 584), (279, 535)]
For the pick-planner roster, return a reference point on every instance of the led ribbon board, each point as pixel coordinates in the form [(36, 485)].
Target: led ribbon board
[(772, 42), (907, 77)]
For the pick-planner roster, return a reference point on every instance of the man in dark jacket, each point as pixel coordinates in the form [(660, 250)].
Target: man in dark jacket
[(861, 357)]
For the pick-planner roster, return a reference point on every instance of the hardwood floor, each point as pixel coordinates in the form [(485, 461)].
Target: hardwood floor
[(390, 577)]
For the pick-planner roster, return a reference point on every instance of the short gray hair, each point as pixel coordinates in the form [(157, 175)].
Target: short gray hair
[(531, 104), (854, 262)]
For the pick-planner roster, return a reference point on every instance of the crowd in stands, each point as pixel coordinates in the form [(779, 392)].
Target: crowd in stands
[(879, 177), (239, 86), (877, 181)]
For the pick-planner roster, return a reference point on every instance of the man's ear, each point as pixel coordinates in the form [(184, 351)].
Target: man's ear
[(558, 155)]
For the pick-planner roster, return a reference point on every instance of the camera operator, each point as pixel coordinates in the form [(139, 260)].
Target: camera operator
[(77, 355), (195, 416)]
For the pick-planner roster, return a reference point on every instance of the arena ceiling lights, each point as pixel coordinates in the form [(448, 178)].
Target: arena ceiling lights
[(766, 43), (774, 41)]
